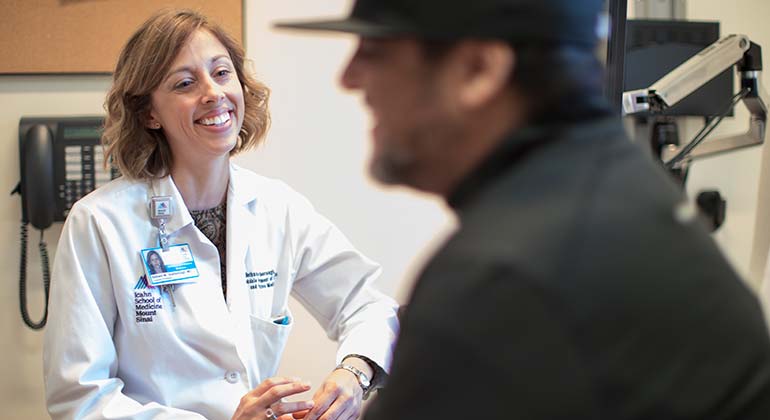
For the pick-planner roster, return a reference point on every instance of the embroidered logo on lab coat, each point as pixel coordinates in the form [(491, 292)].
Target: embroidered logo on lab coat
[(260, 279), (147, 302)]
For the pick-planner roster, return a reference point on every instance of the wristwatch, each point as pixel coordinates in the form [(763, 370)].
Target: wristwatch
[(363, 380)]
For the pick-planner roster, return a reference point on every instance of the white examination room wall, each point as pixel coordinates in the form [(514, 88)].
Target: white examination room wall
[(740, 174), (318, 144), (21, 382)]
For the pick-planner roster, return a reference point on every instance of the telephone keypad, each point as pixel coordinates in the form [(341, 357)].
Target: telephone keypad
[(83, 172)]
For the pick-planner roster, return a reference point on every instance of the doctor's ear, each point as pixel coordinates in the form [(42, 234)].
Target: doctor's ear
[(152, 123), (485, 71)]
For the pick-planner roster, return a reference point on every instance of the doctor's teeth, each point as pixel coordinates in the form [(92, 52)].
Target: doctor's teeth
[(217, 120)]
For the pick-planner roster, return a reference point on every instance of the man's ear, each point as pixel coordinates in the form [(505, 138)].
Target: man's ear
[(485, 72)]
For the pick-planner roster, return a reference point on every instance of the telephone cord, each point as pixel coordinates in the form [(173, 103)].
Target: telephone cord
[(23, 278)]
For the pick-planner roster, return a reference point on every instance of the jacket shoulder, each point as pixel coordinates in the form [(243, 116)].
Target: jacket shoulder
[(113, 196)]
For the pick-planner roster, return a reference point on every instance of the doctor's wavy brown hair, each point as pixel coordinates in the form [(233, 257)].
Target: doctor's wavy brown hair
[(143, 153)]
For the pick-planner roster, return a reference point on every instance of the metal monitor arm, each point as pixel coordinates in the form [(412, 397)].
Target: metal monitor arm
[(700, 69)]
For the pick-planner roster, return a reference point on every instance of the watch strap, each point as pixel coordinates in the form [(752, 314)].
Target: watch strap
[(363, 379), (380, 377)]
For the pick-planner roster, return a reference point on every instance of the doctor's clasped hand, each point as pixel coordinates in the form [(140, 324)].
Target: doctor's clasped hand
[(340, 396), (267, 398)]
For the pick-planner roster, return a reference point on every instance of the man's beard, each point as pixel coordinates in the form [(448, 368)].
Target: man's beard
[(392, 167), (415, 160), (386, 172)]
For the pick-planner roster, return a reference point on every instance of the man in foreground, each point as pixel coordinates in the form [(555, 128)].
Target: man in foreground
[(579, 284)]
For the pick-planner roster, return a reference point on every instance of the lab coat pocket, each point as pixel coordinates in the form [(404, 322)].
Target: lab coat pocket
[(269, 341)]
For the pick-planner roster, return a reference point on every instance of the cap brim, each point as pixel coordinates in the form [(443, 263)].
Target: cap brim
[(349, 25)]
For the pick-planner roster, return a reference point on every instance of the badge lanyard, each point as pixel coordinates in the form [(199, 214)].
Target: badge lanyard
[(161, 210)]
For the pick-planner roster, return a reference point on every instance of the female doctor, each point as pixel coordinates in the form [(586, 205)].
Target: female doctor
[(202, 339)]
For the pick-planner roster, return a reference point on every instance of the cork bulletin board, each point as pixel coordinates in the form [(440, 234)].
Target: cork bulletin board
[(85, 36)]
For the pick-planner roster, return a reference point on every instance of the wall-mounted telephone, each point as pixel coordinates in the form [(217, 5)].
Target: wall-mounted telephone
[(61, 160)]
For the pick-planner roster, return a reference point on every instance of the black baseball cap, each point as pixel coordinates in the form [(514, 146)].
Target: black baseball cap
[(531, 21)]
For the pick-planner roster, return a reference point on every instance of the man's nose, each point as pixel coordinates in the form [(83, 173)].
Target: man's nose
[(351, 76)]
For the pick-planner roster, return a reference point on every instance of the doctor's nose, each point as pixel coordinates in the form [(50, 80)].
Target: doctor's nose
[(212, 92)]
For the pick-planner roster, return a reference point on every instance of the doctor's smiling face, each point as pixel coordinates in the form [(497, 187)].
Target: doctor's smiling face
[(199, 105), (181, 93)]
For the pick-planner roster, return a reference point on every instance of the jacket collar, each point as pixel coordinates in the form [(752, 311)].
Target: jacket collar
[(517, 145), (240, 193)]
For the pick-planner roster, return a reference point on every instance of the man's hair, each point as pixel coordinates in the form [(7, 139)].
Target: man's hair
[(560, 82), (141, 153)]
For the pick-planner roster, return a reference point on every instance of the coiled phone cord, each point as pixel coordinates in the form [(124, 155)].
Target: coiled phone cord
[(23, 278)]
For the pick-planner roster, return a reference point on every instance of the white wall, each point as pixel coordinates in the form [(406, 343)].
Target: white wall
[(21, 384), (738, 174)]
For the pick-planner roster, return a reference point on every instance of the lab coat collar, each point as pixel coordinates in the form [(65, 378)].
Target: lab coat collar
[(241, 196), (241, 192)]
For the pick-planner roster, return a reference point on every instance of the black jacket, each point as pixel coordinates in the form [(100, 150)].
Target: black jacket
[(577, 287)]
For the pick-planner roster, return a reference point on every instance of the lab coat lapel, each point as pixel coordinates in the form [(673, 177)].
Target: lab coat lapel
[(240, 218), (241, 200), (215, 318)]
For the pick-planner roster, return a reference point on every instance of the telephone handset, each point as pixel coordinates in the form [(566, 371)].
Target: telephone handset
[(61, 160), (37, 164)]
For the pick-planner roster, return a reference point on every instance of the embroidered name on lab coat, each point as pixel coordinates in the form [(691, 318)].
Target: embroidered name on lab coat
[(146, 302), (260, 279)]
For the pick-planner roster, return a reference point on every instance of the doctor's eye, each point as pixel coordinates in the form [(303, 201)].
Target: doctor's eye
[(184, 84), (222, 73)]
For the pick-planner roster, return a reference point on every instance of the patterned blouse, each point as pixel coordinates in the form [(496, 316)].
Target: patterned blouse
[(213, 223)]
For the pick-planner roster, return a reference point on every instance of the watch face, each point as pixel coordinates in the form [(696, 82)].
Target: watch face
[(363, 380)]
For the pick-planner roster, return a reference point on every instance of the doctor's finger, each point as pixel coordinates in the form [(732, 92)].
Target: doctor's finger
[(323, 398), (292, 407), (351, 413), (341, 409), (268, 383), (274, 394)]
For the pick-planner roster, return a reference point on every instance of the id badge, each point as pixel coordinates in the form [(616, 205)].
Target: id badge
[(172, 266)]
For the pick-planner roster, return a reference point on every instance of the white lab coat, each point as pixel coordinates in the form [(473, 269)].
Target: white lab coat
[(115, 349)]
